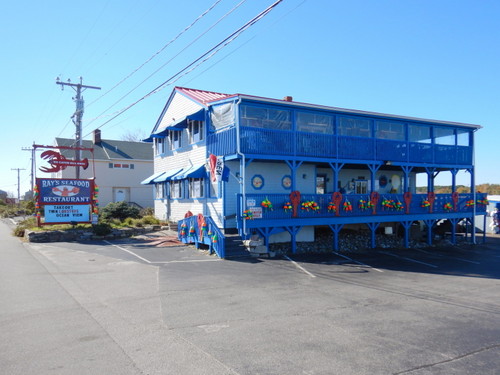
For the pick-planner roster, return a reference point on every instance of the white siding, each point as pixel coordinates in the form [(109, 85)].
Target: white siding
[(179, 107)]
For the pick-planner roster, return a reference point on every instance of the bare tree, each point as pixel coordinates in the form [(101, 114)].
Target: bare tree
[(136, 135)]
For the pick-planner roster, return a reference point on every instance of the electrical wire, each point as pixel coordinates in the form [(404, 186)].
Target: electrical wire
[(193, 65), (158, 52), (166, 63), (245, 43)]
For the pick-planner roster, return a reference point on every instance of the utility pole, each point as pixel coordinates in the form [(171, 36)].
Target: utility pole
[(77, 116), (18, 183), (32, 174)]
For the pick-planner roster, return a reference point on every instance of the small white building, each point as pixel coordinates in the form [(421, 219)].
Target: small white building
[(118, 167)]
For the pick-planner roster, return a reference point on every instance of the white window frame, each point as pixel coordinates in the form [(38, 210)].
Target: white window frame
[(196, 188), (176, 189), (196, 131), (175, 137)]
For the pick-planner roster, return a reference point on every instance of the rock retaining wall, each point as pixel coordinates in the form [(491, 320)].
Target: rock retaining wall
[(84, 235)]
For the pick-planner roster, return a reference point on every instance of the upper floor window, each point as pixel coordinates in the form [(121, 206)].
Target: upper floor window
[(121, 165), (354, 127), (444, 136), (463, 137), (419, 133), (390, 130), (195, 129), (175, 138), (267, 118), (315, 123), (159, 145)]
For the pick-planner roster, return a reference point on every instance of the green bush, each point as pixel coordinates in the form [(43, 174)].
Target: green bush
[(147, 211), (23, 225), (150, 220), (119, 210), (101, 229)]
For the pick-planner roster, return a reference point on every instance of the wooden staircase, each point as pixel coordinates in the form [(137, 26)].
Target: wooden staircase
[(233, 247)]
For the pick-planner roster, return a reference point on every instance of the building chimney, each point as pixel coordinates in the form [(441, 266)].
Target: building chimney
[(288, 98), (97, 136)]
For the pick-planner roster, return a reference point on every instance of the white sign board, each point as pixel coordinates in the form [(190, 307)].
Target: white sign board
[(62, 213), (256, 212)]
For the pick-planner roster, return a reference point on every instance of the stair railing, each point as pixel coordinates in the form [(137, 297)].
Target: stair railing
[(189, 231)]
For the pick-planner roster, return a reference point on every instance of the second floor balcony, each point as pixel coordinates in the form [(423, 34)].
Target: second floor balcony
[(297, 145)]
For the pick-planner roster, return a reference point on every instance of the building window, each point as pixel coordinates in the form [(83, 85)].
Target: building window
[(175, 137), (314, 123), (361, 187), (463, 137), (196, 188), (419, 133), (195, 131), (267, 118), (159, 145), (159, 191), (444, 136), (354, 127), (120, 166), (390, 130), (176, 189)]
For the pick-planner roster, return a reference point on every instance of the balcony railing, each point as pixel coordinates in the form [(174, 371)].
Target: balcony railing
[(256, 141), (280, 206)]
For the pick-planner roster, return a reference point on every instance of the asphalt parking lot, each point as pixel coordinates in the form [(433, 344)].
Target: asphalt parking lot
[(384, 311)]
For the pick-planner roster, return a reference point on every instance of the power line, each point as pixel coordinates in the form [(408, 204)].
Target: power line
[(194, 64), (158, 52), (166, 63)]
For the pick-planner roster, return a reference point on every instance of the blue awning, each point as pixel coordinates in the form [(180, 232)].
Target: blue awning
[(195, 171), (150, 179), (182, 123), (167, 176)]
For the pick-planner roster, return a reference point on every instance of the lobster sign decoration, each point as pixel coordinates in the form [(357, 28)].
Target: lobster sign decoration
[(59, 162)]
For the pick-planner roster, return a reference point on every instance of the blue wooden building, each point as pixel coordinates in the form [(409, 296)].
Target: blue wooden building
[(227, 164)]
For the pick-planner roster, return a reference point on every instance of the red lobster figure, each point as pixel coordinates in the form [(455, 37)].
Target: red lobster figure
[(59, 162)]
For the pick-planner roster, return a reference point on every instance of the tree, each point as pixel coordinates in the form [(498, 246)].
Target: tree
[(136, 135)]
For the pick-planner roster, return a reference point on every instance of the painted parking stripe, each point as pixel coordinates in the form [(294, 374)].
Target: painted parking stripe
[(160, 262), (299, 266), (358, 262), (128, 251), (447, 256), (409, 259)]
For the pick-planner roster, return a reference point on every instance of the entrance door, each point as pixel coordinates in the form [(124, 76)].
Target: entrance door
[(121, 194), (321, 184)]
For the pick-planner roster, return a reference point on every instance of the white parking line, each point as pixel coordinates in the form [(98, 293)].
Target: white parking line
[(128, 251), (409, 259), (165, 262), (358, 262), (447, 256), (299, 266)]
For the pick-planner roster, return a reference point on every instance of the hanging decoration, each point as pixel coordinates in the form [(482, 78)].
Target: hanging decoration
[(191, 231), (266, 203), (469, 203), (362, 204), (183, 229), (214, 238), (331, 207), (347, 206), (310, 205), (448, 206), (247, 215), (425, 203), (399, 206), (287, 207), (388, 204), (95, 200), (484, 201)]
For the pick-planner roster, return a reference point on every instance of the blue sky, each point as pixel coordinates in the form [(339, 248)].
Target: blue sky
[(422, 58)]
